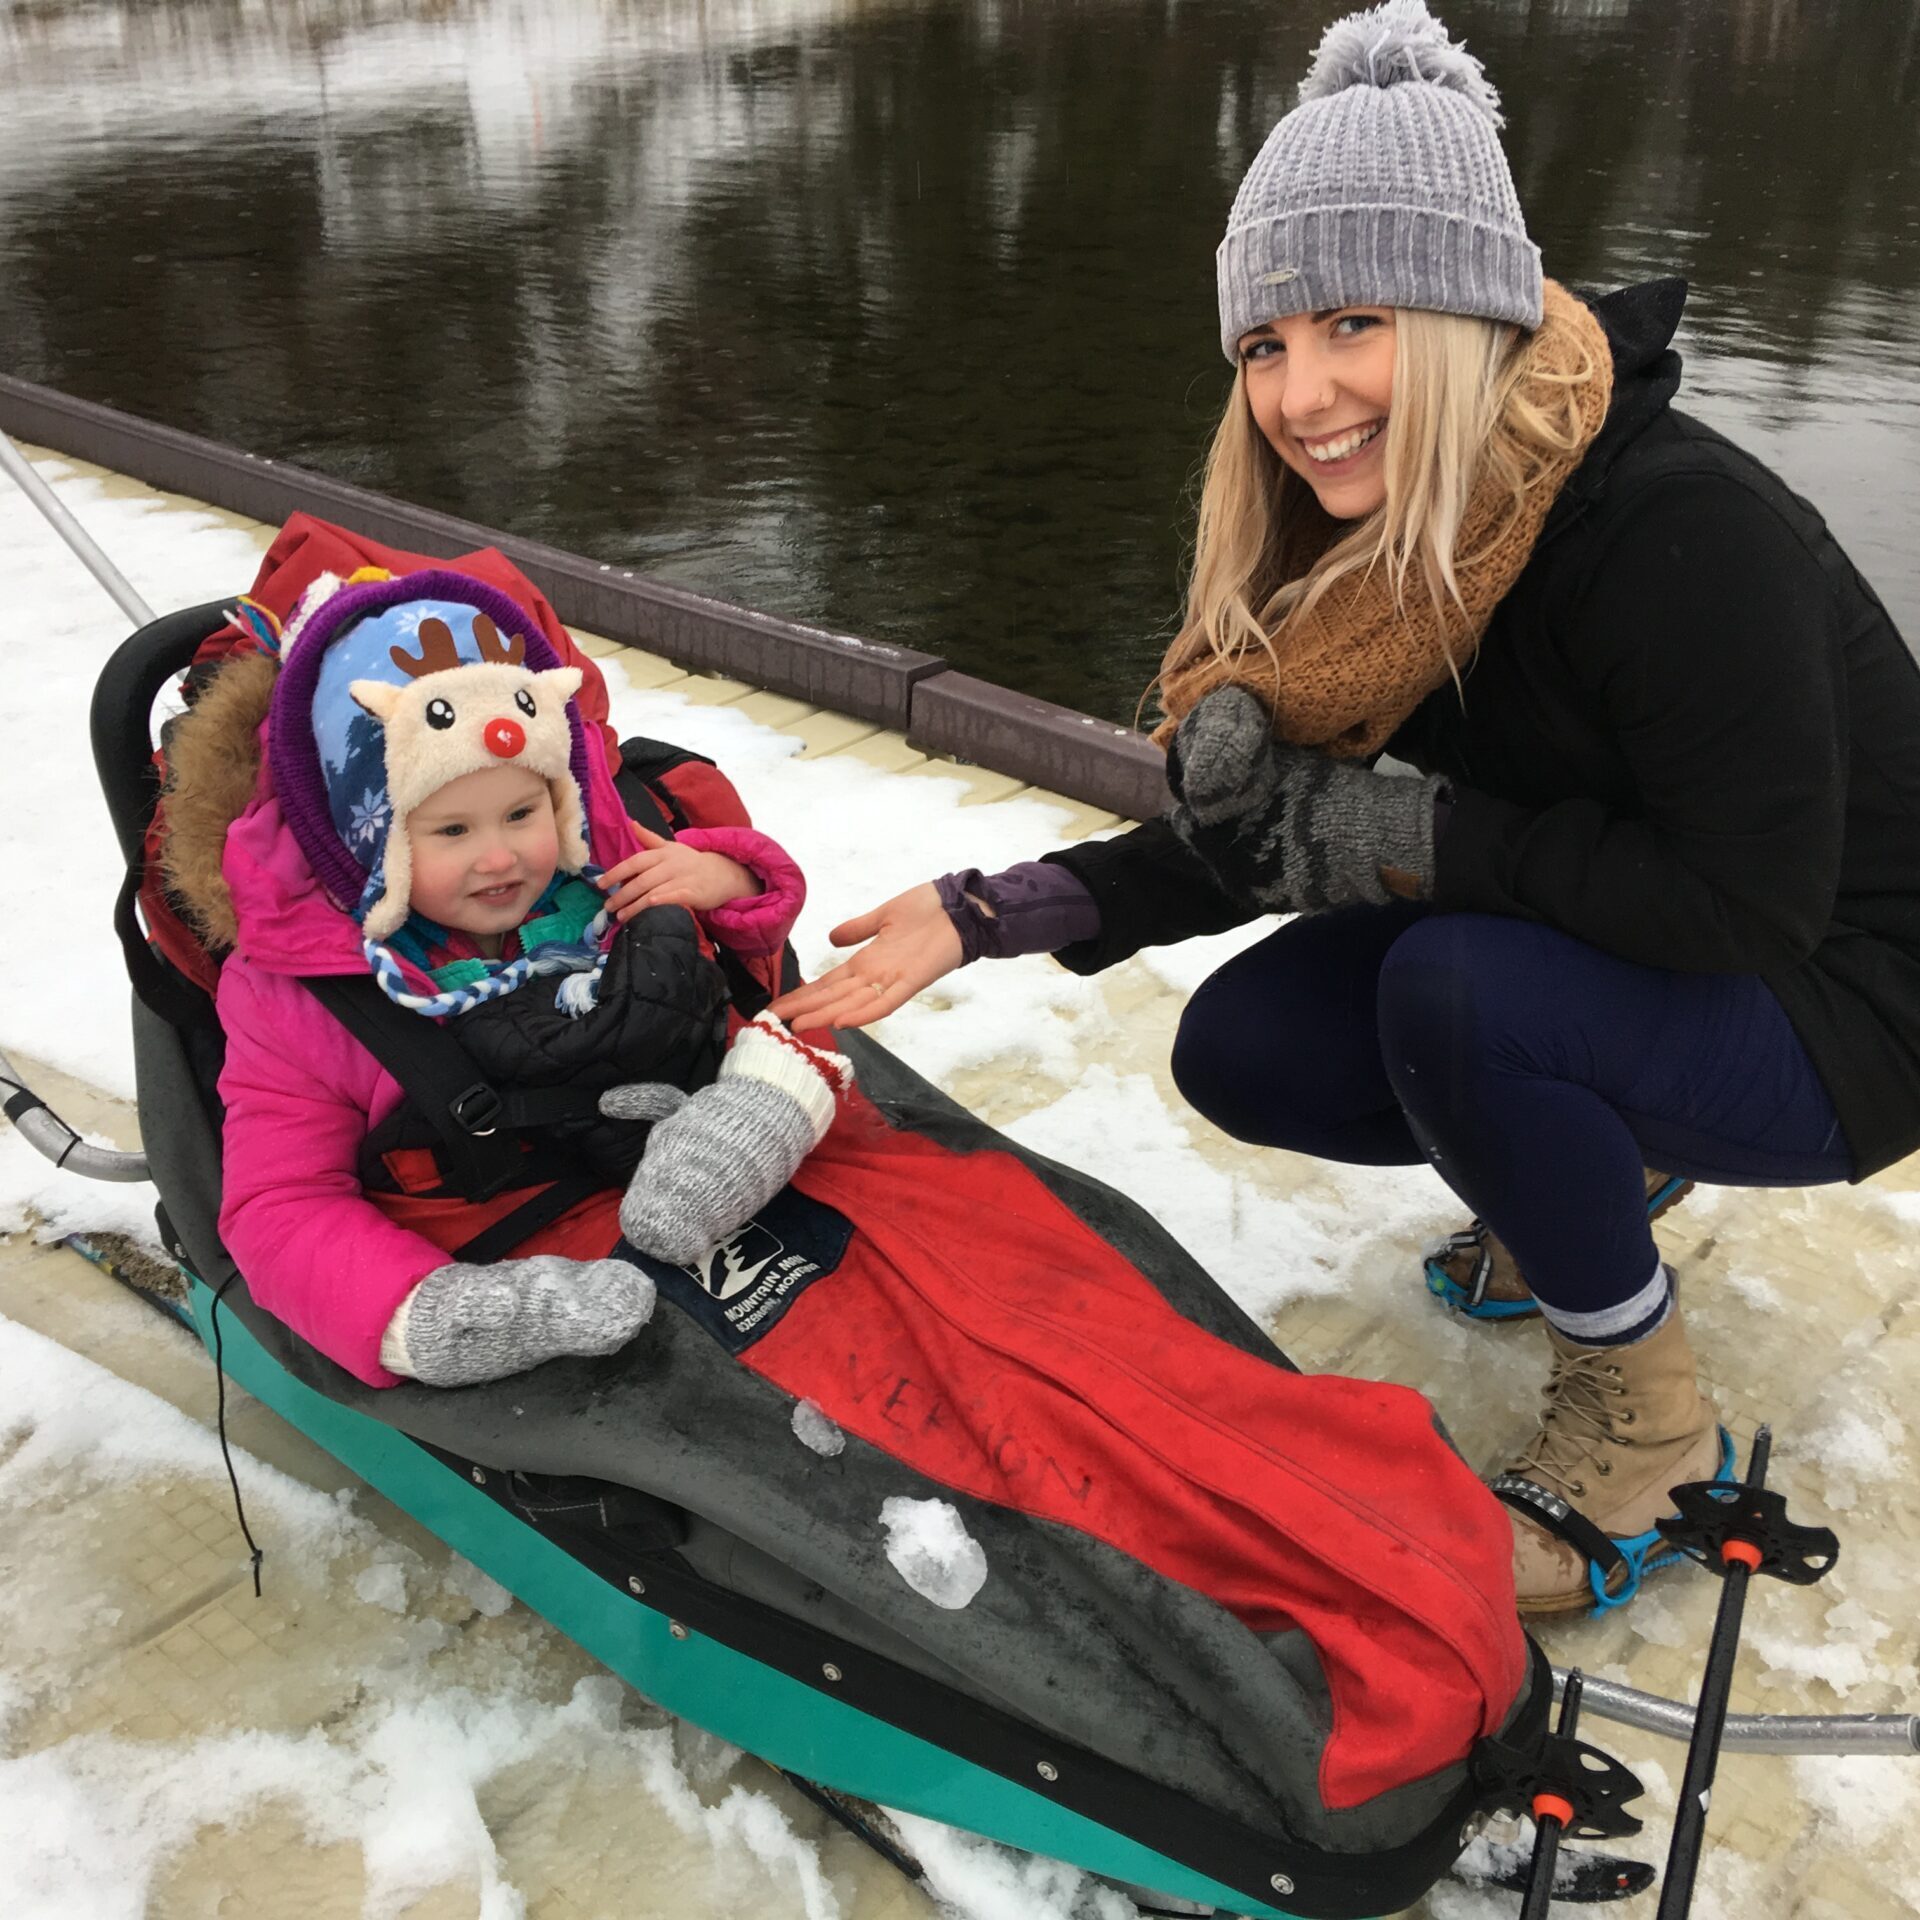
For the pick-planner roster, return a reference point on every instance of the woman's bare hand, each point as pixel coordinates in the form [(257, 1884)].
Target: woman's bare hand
[(910, 944)]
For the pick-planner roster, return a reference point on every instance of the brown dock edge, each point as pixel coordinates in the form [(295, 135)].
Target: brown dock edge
[(918, 694)]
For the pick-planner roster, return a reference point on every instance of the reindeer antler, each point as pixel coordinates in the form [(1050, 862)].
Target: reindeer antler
[(507, 653), (437, 651)]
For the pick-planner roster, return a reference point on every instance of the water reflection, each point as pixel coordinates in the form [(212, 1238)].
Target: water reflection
[(893, 314)]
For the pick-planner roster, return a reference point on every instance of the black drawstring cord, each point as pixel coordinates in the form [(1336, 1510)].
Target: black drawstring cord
[(220, 1390)]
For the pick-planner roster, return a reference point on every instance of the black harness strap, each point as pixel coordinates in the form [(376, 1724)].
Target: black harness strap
[(480, 1128), (541, 1210), (483, 1154), (643, 802)]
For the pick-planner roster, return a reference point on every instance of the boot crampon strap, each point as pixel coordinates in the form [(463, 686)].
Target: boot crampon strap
[(1472, 1272), (1604, 1441)]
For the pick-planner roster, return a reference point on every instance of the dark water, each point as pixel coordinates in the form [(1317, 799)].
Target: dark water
[(895, 317)]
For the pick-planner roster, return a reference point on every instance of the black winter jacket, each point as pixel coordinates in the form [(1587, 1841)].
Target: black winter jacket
[(1691, 737), (661, 1015)]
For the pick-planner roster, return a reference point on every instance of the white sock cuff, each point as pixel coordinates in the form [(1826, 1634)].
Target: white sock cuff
[(1602, 1328)]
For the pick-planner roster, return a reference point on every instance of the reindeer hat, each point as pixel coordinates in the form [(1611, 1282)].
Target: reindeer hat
[(391, 689)]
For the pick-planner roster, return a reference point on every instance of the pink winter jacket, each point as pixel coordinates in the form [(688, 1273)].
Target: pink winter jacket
[(302, 1094)]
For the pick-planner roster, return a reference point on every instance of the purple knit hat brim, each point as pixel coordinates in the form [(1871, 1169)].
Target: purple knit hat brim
[(293, 752)]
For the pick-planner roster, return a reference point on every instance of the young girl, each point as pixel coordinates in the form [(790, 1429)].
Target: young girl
[(1655, 896), (431, 815)]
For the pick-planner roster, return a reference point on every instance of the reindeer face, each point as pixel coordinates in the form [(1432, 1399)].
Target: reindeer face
[(453, 717)]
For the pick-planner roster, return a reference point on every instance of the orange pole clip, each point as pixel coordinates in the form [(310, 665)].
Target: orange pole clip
[(1551, 1803), (1742, 1553)]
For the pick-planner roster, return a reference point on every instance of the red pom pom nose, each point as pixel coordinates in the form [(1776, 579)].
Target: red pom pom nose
[(504, 738)]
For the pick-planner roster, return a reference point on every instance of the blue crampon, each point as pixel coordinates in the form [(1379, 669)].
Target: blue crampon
[(1648, 1552), (1471, 1299)]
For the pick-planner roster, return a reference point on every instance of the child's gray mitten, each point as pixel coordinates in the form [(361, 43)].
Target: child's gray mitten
[(716, 1157), (465, 1323), (1289, 829)]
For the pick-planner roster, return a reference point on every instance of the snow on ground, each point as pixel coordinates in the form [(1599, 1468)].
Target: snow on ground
[(63, 991), (451, 1696)]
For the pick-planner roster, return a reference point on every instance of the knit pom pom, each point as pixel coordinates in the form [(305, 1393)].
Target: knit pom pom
[(320, 590), (1389, 45)]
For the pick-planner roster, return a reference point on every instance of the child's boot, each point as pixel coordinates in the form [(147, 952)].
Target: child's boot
[(1622, 1426), (1473, 1271)]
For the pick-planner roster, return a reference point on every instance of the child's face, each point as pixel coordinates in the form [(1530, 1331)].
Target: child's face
[(484, 848)]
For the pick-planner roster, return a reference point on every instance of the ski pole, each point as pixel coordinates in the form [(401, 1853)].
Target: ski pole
[(1736, 1532), (1551, 1815), (73, 533), (1738, 1559)]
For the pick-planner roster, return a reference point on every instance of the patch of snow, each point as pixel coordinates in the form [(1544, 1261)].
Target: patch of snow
[(1842, 1664), (741, 1821), (1867, 1798), (1663, 1617), (932, 1551), (1266, 1249), (1757, 1291), (37, 1196), (86, 1825), (74, 1014), (982, 1881), (1184, 966), (68, 1415), (813, 1429), (486, 1594), (384, 1585)]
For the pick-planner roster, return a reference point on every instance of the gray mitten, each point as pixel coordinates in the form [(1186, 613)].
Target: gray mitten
[(464, 1323), (716, 1157), (1288, 828)]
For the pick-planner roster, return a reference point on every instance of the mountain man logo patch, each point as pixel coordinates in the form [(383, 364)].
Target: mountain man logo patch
[(744, 1285)]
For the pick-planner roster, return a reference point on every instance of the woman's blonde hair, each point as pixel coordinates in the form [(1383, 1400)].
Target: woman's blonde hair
[(1469, 412)]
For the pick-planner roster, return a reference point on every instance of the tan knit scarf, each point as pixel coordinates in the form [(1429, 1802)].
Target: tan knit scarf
[(1357, 664)]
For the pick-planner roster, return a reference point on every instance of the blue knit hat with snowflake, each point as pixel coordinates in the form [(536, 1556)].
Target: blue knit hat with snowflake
[(392, 687), (1384, 187)]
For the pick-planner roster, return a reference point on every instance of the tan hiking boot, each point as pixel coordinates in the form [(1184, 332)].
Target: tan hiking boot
[(1473, 1272), (1622, 1426)]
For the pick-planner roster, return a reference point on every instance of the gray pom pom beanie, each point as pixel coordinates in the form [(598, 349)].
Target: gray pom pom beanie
[(1384, 187)]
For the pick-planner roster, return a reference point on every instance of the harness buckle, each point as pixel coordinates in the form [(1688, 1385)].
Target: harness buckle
[(478, 1109)]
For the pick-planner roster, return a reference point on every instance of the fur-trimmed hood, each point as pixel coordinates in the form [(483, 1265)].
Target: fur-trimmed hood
[(213, 765)]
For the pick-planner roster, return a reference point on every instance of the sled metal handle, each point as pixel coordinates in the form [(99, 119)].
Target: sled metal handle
[(1782, 1733), (20, 470), (43, 1130)]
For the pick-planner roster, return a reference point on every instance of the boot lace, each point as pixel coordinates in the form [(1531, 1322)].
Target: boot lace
[(1579, 1419)]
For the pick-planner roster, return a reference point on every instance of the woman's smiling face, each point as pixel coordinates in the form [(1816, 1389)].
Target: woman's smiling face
[(1321, 388)]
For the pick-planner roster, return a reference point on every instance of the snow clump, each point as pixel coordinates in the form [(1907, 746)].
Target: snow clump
[(932, 1551), (383, 1584), (813, 1429)]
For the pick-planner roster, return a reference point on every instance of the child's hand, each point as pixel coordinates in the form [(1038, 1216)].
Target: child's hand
[(666, 874)]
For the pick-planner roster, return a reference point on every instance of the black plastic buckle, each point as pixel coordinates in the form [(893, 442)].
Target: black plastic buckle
[(1714, 1517), (478, 1110)]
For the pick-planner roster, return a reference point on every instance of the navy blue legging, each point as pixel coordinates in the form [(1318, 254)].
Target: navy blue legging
[(1535, 1072)]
